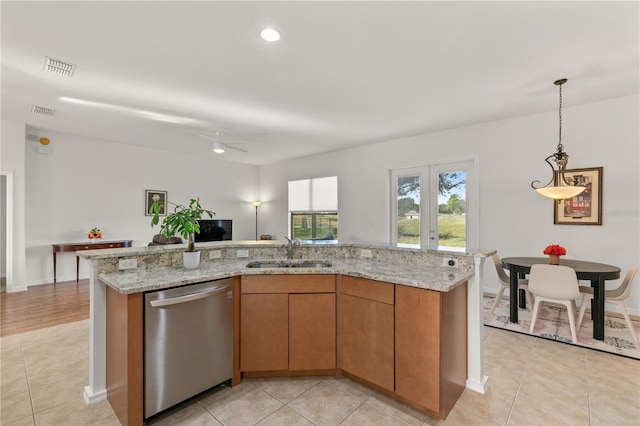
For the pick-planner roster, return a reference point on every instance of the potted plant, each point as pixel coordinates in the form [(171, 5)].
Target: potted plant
[(184, 222), (554, 251)]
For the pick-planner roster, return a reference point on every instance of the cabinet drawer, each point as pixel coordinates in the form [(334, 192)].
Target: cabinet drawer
[(368, 289), (289, 283)]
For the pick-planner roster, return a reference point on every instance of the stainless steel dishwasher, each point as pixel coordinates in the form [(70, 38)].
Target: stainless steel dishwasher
[(188, 342)]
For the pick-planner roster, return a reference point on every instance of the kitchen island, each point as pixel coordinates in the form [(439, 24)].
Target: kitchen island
[(400, 268)]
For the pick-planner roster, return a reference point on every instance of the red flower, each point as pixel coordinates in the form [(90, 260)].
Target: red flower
[(555, 249)]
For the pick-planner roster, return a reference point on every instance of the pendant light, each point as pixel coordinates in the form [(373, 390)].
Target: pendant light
[(563, 188)]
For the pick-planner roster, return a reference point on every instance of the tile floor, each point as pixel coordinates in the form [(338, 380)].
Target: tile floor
[(532, 381)]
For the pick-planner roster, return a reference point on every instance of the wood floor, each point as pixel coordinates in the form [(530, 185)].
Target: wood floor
[(43, 306)]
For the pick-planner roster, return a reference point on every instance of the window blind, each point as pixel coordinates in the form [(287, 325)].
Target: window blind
[(314, 195)]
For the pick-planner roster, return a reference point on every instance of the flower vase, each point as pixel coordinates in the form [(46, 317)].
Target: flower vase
[(554, 259)]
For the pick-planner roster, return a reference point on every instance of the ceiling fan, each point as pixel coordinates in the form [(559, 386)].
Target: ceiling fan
[(219, 147)]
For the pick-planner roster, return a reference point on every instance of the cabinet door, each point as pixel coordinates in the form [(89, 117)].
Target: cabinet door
[(367, 340), (418, 346), (312, 331), (264, 340)]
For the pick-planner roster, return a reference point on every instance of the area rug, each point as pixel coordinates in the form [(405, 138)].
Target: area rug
[(553, 324)]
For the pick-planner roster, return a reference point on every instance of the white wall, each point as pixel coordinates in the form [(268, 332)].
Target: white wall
[(87, 182), (3, 226), (68, 192), (514, 219), (12, 160)]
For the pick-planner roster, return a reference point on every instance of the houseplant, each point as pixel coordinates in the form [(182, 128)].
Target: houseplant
[(184, 222)]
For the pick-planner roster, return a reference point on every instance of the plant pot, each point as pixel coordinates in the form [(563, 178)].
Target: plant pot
[(191, 259), (554, 259)]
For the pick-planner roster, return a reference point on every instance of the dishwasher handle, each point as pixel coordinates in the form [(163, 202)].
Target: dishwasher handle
[(189, 297)]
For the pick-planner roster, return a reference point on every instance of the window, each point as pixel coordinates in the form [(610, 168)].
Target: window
[(431, 206), (313, 208)]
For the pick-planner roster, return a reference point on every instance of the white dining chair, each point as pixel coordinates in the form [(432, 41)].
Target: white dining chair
[(555, 284), (616, 296), (503, 281)]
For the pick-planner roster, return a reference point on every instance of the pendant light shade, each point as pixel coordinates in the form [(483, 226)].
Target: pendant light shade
[(560, 192), (562, 189)]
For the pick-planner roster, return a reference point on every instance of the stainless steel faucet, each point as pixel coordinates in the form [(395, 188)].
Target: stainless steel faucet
[(292, 244)]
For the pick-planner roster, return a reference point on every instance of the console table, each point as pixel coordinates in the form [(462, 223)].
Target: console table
[(66, 247)]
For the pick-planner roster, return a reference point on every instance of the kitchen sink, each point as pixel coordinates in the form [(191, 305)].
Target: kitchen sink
[(289, 264), (311, 264)]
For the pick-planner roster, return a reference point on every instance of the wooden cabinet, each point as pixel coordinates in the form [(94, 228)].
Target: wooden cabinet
[(264, 337), (288, 322), (367, 333), (124, 355), (407, 342), (430, 347), (312, 331)]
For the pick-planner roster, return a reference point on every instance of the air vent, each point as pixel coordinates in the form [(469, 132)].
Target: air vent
[(57, 66), (41, 110)]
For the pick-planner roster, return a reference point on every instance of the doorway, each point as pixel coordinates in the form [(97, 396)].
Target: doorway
[(6, 230), (435, 206)]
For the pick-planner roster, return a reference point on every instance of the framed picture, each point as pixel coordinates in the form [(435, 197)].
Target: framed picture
[(585, 208), (150, 197)]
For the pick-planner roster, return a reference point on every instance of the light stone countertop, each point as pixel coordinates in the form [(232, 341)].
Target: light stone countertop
[(271, 244), (142, 280)]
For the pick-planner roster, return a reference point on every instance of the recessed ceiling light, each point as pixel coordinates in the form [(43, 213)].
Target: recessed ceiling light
[(269, 34)]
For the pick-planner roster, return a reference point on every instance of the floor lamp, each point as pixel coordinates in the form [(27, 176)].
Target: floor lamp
[(256, 204)]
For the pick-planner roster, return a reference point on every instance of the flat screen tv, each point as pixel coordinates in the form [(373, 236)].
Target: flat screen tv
[(214, 230)]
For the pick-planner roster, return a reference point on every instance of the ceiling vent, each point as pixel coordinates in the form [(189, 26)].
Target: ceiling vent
[(41, 110), (57, 66)]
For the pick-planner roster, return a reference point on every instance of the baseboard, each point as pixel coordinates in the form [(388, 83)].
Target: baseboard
[(91, 398), (58, 280), (481, 387)]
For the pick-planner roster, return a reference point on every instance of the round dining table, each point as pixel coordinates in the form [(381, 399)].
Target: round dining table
[(596, 273)]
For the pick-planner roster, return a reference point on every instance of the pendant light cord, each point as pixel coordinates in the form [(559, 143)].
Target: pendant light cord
[(560, 146)]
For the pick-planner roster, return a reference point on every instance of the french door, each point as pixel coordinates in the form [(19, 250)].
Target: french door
[(434, 206)]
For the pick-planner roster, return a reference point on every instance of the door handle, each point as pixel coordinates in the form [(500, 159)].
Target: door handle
[(188, 297)]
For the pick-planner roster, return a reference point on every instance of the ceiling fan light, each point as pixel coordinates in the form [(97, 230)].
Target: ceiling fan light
[(218, 148)]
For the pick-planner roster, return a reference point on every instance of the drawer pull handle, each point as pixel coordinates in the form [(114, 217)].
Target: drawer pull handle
[(188, 297)]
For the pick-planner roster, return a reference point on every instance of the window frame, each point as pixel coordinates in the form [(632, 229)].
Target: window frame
[(313, 215)]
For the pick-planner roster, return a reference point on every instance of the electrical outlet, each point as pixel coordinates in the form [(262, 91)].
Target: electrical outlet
[(365, 253), (450, 261), (448, 276), (215, 254), (242, 253), (127, 264)]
